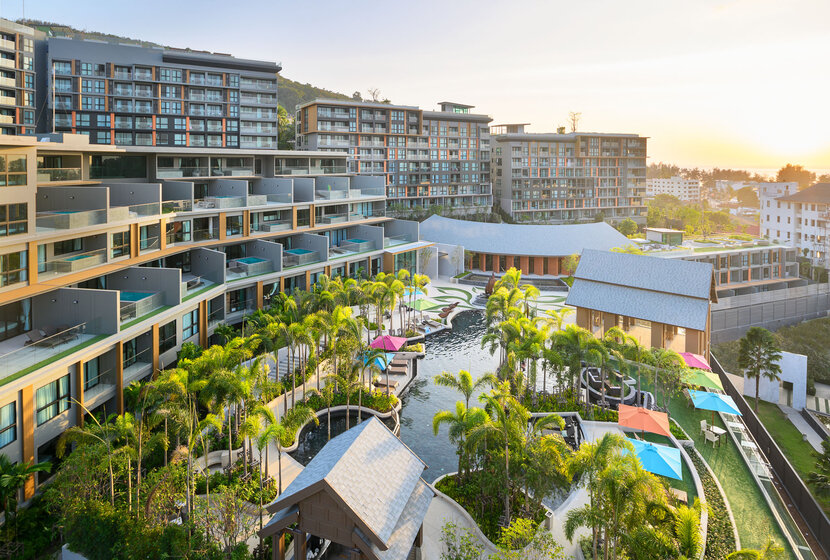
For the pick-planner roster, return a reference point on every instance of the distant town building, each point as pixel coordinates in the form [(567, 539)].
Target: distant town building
[(687, 190), (565, 178), (665, 236), (428, 158), (17, 79), (798, 218)]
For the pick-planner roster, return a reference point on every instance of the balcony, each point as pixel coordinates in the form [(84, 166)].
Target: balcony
[(334, 218), (39, 346), (6, 63), (395, 240), (193, 284), (8, 82), (205, 234), (74, 262), (177, 172), (246, 267), (134, 305), (123, 76), (137, 365), (273, 226), (350, 247), (171, 206), (6, 44), (60, 220), (331, 195), (357, 216), (8, 100), (299, 257), (145, 75)]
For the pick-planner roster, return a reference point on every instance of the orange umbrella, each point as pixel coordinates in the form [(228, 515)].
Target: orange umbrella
[(644, 419)]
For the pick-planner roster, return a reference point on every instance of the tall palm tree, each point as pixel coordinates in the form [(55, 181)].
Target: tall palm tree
[(587, 463), (277, 431), (327, 395), (464, 384), (367, 362), (347, 383), (13, 476), (577, 346), (460, 423), (93, 432), (759, 355)]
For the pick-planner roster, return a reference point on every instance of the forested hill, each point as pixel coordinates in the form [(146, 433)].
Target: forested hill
[(291, 93)]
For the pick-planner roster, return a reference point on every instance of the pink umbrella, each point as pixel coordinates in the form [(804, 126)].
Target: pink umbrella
[(388, 343), (695, 361)]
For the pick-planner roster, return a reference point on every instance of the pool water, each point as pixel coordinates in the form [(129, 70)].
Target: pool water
[(250, 260), (134, 296), (354, 241), (298, 251), (78, 257), (313, 438)]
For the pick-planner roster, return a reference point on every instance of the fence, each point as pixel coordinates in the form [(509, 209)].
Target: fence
[(811, 512)]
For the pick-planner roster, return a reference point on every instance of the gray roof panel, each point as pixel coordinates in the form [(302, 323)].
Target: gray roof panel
[(522, 240), (670, 276), (408, 524)]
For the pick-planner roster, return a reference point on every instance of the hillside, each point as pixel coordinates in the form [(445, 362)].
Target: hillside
[(291, 93)]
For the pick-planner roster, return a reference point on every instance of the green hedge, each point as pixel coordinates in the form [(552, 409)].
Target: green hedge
[(720, 536), (376, 400)]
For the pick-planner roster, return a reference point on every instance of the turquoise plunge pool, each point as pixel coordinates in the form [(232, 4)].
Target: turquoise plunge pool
[(298, 251), (250, 260), (134, 296)]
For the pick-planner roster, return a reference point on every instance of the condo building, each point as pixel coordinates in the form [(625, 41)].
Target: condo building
[(687, 190), (17, 79), (130, 95), (111, 258), (797, 218), (427, 158), (568, 178)]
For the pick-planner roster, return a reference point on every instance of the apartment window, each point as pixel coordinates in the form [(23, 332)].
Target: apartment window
[(62, 67), (236, 300), (13, 219), (103, 138), (233, 80), (67, 246), (86, 69), (170, 75), (170, 107), (234, 225), (123, 138), (170, 91), (103, 121), (82, 119), (52, 399), (167, 337), (12, 170), (120, 244), (92, 373), (190, 324), (64, 84), (29, 117), (13, 268), (179, 139), (8, 424), (179, 124), (28, 63)]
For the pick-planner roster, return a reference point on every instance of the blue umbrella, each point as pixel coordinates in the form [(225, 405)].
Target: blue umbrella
[(715, 402), (658, 459), (381, 361), (418, 292)]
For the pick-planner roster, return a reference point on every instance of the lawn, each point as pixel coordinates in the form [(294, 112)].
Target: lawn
[(790, 440), (753, 517), (687, 484)]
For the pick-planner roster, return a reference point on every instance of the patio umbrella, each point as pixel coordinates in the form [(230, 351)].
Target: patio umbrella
[(701, 378), (381, 361), (418, 292), (420, 304), (695, 361), (716, 402), (643, 419), (389, 343), (659, 459)]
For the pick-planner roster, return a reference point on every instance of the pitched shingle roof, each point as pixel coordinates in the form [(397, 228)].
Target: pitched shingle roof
[(370, 470), (667, 291), (522, 240)]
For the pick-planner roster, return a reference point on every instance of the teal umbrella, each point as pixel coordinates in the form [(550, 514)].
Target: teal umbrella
[(382, 361), (659, 459), (715, 402)]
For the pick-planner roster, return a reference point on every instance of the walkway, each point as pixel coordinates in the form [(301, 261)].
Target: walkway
[(801, 424)]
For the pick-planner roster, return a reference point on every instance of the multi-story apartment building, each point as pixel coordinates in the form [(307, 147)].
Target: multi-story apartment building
[(797, 218), (427, 158), (17, 79), (565, 178), (129, 95), (111, 258), (687, 190)]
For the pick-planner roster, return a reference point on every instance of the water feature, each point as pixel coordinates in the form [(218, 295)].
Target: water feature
[(313, 438)]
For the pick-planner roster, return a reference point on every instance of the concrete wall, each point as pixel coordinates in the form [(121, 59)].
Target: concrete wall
[(793, 370), (73, 306), (303, 189), (402, 227), (168, 281), (177, 190), (369, 233), (72, 198), (369, 184), (266, 250), (333, 184), (228, 187), (312, 242), (450, 260), (128, 194), (732, 316), (273, 185), (208, 264)]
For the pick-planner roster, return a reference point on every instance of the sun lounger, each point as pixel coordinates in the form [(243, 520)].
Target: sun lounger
[(33, 337), (382, 384)]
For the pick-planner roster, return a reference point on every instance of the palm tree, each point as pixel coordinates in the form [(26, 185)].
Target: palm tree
[(95, 432), (460, 423), (759, 355), (13, 476), (277, 432), (327, 394), (668, 366), (506, 419), (586, 464), (577, 346), (367, 361), (347, 383), (464, 384)]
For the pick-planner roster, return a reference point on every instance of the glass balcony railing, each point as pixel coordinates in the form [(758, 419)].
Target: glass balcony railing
[(40, 345), (74, 262), (145, 302), (299, 257), (174, 172), (274, 226), (45, 175), (151, 243), (395, 240), (335, 218), (137, 363), (46, 221), (170, 206), (205, 234)]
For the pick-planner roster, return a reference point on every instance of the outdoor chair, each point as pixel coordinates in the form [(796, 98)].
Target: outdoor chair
[(66, 333), (33, 337), (710, 436), (704, 427)]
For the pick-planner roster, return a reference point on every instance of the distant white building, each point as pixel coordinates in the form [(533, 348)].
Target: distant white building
[(797, 218), (687, 190), (722, 184)]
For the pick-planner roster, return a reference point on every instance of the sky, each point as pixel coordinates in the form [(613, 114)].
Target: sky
[(727, 83)]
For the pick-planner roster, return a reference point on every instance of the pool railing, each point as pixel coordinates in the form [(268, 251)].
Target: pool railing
[(290, 260)]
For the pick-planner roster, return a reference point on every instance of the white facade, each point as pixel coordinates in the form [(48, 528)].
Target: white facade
[(687, 190), (799, 221)]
